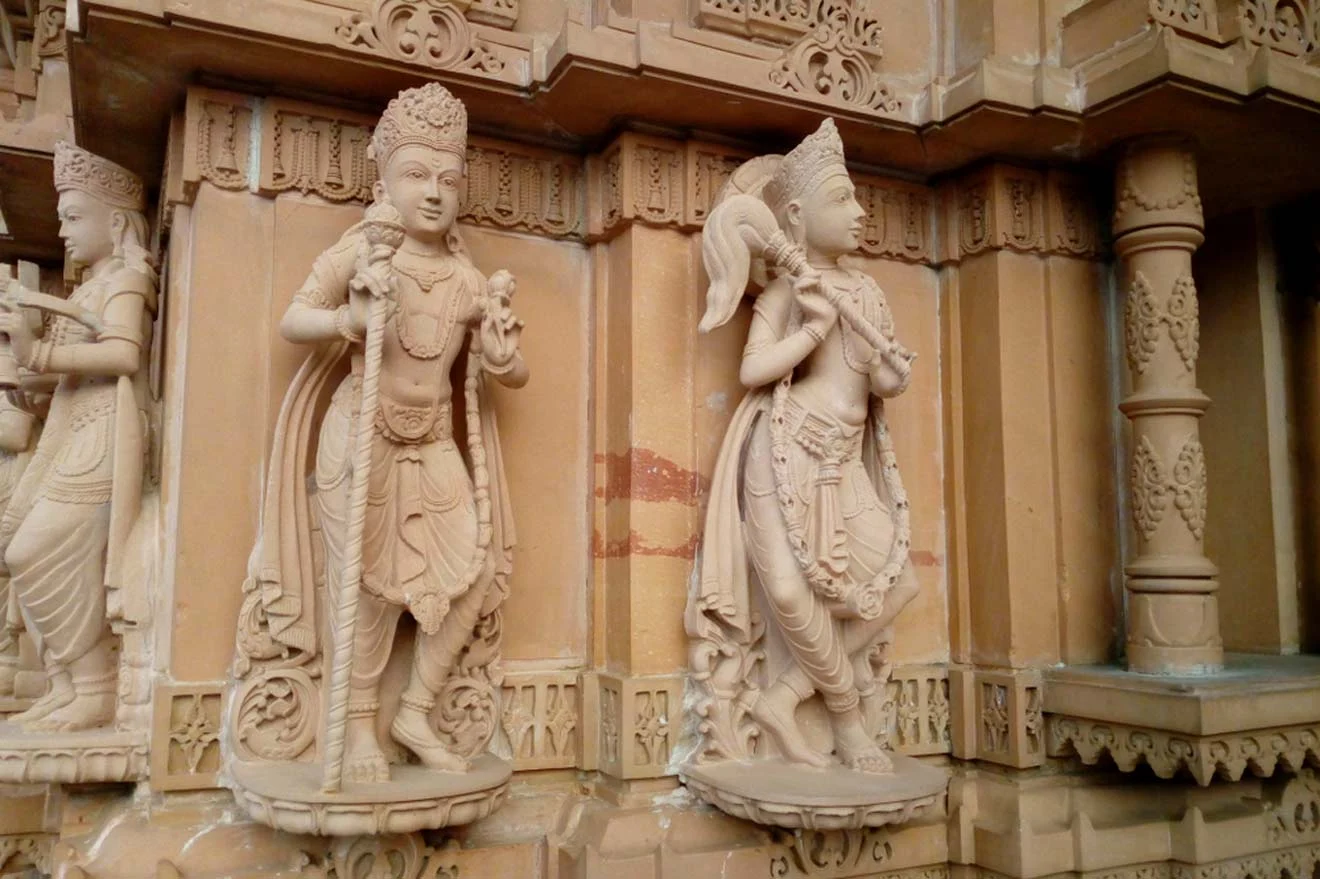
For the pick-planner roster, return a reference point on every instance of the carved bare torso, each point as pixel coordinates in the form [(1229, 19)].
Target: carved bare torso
[(435, 303)]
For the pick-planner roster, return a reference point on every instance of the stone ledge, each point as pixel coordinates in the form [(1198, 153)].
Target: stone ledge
[(1251, 694), (1259, 714)]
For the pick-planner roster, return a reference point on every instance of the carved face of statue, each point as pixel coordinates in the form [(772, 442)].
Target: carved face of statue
[(423, 184), (86, 226), (831, 217)]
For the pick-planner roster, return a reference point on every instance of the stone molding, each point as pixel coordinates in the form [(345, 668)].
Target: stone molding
[(185, 736), (75, 758), (1004, 207), (320, 151), (543, 718), (998, 715), (1227, 756)]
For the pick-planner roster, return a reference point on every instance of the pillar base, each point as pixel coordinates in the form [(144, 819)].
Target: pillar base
[(1174, 634)]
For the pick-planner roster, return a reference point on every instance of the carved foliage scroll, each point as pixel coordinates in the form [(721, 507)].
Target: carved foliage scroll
[(433, 33), (1291, 26), (185, 750), (835, 60), (1144, 318), (1153, 486)]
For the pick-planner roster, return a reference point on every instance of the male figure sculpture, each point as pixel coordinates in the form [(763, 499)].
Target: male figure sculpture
[(65, 529), (20, 425), (435, 538), (806, 499)]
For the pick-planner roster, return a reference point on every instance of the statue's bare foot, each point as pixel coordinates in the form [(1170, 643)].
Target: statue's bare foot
[(364, 761), (84, 711), (775, 714), (60, 694), (411, 730), (859, 751)]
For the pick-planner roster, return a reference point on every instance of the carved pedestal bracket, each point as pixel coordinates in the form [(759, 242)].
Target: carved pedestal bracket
[(72, 758), (1003, 207), (997, 715), (1204, 757), (185, 736)]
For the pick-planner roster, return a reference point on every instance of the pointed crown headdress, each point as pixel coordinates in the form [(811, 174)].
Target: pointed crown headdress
[(428, 115), (78, 170), (806, 167)]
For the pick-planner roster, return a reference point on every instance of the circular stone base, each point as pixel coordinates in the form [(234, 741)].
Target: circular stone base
[(789, 795), (288, 796)]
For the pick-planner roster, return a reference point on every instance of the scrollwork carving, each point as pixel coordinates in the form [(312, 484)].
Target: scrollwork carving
[(1150, 488), (433, 33), (1190, 486), (829, 62), (1286, 25)]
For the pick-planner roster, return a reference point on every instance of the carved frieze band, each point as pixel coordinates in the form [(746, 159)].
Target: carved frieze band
[(1005, 207), (542, 718), (313, 150), (1288, 26), (917, 710), (997, 715), (185, 736), (663, 182), (1204, 757)]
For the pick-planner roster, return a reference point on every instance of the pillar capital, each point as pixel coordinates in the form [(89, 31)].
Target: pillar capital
[(1156, 186)]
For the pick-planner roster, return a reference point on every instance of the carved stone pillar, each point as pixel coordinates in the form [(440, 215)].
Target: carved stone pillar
[(1172, 610)]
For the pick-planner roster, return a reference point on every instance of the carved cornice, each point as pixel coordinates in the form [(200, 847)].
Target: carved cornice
[(320, 151), (998, 715), (1003, 207), (73, 758), (1214, 20), (185, 736), (1204, 757)]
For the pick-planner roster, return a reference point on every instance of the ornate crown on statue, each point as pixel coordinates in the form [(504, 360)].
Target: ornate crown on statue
[(81, 171), (807, 166), (428, 115)]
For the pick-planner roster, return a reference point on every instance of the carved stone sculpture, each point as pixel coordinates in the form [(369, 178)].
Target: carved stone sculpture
[(804, 564), (21, 415), (406, 523), (65, 530)]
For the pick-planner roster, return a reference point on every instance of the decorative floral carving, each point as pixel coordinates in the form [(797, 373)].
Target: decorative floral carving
[(309, 153), (1229, 756), (825, 853), (994, 718), (1033, 722), (916, 715), (709, 172), (657, 179), (609, 726), (1141, 324), (1182, 317), (1073, 222), (651, 728), (433, 33), (974, 223), (217, 143), (1150, 488), (829, 62), (1024, 227), (1190, 15), (385, 857), (1291, 26), (541, 719), (196, 732), (1190, 486), (496, 13), (1296, 817)]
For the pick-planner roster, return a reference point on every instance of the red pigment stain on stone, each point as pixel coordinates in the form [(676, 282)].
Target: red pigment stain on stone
[(636, 545), (642, 475), (924, 558)]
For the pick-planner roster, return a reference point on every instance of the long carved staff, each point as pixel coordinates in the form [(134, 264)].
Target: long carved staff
[(383, 230)]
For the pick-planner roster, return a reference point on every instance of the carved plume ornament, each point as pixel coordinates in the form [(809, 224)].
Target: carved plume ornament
[(433, 33)]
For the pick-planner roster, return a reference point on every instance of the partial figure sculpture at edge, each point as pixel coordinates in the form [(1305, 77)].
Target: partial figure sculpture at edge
[(408, 504), (65, 532), (807, 504)]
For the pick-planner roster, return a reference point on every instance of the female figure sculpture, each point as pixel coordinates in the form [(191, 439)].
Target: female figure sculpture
[(806, 500), (409, 500), (65, 529)]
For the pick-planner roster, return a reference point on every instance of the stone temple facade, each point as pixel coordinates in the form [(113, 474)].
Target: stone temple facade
[(1095, 222)]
